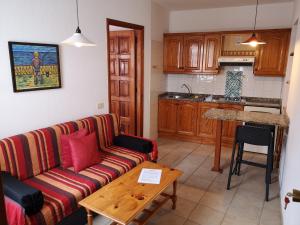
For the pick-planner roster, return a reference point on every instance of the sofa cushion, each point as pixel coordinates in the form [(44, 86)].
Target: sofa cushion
[(66, 157), (84, 152), (133, 143), (63, 189)]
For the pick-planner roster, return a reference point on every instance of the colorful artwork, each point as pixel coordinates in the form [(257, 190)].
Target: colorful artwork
[(34, 66)]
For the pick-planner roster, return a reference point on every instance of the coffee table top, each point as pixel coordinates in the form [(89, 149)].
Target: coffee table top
[(124, 198)]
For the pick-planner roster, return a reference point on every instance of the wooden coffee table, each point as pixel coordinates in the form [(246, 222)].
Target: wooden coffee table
[(124, 199)]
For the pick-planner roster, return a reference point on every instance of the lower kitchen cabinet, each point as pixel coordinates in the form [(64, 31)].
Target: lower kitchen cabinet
[(206, 128), (184, 120), (228, 131), (167, 116)]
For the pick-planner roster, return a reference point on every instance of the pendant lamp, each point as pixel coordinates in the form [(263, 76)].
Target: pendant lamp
[(253, 41), (78, 39)]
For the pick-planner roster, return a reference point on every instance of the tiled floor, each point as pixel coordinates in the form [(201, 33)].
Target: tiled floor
[(202, 195)]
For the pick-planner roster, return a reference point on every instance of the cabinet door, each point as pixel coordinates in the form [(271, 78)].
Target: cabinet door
[(167, 116), (173, 53), (271, 58), (206, 128), (212, 49), (229, 127), (186, 118), (193, 51)]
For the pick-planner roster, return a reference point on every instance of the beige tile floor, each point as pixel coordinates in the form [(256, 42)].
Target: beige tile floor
[(202, 195)]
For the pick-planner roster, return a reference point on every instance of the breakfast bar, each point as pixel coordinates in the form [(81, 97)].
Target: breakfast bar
[(221, 115)]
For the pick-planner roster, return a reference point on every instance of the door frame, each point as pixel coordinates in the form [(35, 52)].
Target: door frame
[(139, 33)]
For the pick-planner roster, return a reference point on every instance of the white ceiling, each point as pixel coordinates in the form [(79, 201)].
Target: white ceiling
[(204, 4)]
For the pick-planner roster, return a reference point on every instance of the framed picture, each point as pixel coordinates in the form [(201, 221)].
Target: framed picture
[(34, 66)]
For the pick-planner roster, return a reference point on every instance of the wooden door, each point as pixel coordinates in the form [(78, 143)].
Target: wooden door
[(193, 51), (271, 58), (206, 128), (167, 116), (186, 118), (229, 127), (122, 79), (173, 53), (212, 49)]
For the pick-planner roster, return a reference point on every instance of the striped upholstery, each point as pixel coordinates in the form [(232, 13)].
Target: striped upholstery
[(35, 152), (34, 158), (63, 189)]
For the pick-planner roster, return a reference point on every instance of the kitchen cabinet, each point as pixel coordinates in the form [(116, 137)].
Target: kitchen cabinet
[(211, 54), (198, 53), (206, 128), (229, 127), (167, 116), (186, 118), (271, 58), (193, 50), (183, 120), (191, 54), (173, 53)]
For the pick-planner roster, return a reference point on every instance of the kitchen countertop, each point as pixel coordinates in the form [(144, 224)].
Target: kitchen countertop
[(256, 117), (246, 101)]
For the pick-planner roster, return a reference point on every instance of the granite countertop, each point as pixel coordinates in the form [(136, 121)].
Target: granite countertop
[(256, 117), (246, 101)]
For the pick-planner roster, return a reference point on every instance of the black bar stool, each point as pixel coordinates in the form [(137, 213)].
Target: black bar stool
[(255, 134)]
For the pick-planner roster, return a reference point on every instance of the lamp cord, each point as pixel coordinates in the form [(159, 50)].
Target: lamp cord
[(77, 13), (255, 15)]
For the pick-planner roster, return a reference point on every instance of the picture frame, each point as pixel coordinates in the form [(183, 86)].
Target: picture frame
[(34, 66)]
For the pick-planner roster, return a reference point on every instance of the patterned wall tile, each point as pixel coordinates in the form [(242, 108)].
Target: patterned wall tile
[(233, 85)]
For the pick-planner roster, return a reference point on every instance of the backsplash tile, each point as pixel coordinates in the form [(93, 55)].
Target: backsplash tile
[(253, 86), (233, 85)]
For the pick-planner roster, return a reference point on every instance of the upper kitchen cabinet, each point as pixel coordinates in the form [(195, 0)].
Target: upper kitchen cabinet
[(173, 53), (192, 57), (211, 54), (271, 58), (191, 53)]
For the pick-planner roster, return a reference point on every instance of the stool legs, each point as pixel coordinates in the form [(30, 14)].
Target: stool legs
[(239, 161), (231, 170), (269, 171)]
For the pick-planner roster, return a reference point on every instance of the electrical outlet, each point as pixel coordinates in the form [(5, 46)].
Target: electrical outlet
[(100, 105)]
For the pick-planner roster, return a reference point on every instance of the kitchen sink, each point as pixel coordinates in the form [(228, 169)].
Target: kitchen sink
[(176, 96)]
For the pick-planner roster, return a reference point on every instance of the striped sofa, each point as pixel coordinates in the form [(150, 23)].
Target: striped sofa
[(34, 158)]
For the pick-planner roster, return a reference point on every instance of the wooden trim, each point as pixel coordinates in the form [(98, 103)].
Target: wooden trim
[(139, 31), (123, 24), (2, 206), (228, 32)]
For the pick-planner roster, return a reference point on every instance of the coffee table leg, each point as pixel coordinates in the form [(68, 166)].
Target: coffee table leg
[(89, 217), (174, 196)]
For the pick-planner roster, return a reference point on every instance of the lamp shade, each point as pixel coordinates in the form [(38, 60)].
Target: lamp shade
[(253, 41), (78, 40)]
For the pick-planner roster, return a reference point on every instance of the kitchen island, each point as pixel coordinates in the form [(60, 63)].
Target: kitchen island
[(229, 115)]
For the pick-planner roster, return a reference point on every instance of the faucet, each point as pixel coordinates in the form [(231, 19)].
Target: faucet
[(189, 89)]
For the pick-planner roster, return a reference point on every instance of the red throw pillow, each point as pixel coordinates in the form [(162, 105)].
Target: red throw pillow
[(66, 157), (84, 152)]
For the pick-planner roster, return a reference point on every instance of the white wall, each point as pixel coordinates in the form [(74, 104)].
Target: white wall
[(230, 18), (159, 25), (290, 165), (84, 70)]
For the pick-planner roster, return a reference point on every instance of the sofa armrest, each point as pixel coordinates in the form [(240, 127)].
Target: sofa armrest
[(154, 153), (15, 213), (29, 198)]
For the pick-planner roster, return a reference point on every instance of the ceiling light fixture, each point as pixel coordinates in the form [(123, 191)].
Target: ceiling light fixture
[(253, 41), (78, 39)]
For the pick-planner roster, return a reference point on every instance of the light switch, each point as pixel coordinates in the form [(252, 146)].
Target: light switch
[(100, 105)]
